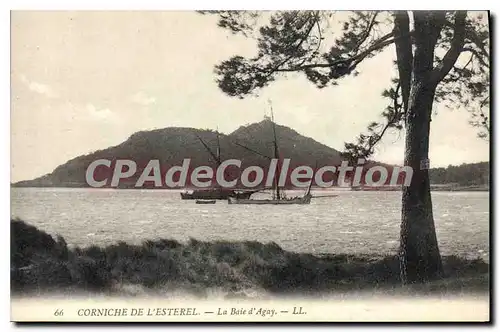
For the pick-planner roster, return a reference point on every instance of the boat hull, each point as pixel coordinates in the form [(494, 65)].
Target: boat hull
[(291, 201)]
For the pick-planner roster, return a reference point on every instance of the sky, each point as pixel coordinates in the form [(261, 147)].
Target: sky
[(85, 81)]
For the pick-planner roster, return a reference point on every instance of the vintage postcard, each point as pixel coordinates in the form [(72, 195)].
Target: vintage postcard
[(250, 166)]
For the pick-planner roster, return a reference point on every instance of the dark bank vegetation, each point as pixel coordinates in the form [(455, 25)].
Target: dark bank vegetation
[(474, 174), (40, 262)]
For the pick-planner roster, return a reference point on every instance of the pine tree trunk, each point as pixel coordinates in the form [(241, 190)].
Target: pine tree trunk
[(420, 257), (419, 251)]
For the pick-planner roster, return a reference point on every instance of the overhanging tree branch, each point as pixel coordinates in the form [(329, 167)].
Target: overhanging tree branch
[(478, 55), (472, 35), (314, 20), (454, 51), (377, 45), (366, 143), (367, 32)]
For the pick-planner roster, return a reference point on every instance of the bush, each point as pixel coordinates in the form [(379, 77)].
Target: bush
[(40, 262)]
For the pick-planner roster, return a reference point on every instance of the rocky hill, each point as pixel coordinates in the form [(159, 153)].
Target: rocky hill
[(252, 144)]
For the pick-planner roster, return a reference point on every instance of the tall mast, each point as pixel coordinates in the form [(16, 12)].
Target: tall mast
[(312, 178), (215, 156), (276, 154)]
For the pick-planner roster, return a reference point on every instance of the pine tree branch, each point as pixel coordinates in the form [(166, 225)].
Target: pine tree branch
[(478, 55), (394, 119), (367, 142), (454, 51), (379, 44), (315, 18), (367, 32), (472, 35)]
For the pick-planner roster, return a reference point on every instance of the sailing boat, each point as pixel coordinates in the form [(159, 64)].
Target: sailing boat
[(215, 193), (278, 196), (306, 199)]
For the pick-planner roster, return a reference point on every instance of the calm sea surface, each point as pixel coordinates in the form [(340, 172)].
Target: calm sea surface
[(353, 222)]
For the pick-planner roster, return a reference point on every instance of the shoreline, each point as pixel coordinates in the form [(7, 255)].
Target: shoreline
[(230, 268)]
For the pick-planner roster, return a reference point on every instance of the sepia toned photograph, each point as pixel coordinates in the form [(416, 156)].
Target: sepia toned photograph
[(250, 166)]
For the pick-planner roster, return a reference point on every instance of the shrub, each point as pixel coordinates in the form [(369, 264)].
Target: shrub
[(40, 262)]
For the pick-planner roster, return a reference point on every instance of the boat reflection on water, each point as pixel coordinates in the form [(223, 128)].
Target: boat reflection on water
[(205, 201)]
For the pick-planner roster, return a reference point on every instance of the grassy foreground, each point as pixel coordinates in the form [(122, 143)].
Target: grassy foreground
[(40, 262)]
